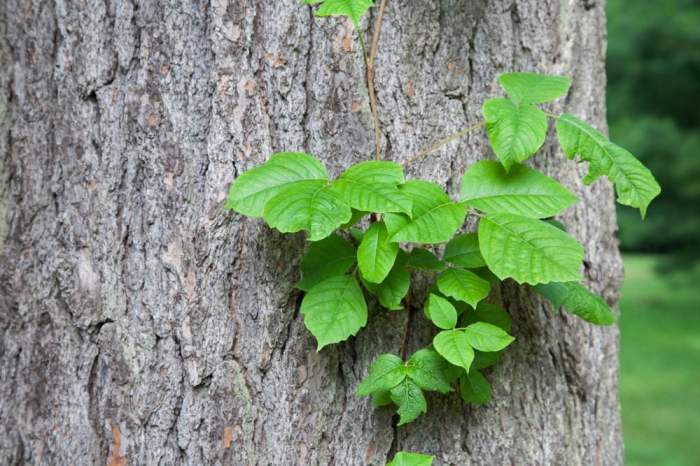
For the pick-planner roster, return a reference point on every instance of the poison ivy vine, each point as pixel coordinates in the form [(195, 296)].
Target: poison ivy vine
[(516, 239)]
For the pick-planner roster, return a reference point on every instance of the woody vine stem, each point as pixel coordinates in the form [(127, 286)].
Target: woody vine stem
[(371, 91)]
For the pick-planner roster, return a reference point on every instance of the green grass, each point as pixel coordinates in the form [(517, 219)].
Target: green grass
[(660, 365)]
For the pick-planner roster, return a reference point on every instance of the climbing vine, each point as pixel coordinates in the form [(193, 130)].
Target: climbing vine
[(516, 237)]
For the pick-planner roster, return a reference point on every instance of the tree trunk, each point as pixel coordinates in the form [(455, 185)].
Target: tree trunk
[(140, 323)]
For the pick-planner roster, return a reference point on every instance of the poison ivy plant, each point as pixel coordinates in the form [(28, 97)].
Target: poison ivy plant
[(463, 285), (516, 127), (635, 185), (474, 388), (254, 188), (523, 191), (576, 299), (463, 250), (395, 286), (372, 187), (435, 217), (441, 312), (307, 205), (403, 458), (528, 250), (353, 9), (362, 225), (326, 258), (531, 88), (349, 309), (376, 254), (426, 260), (406, 381), (491, 314), (454, 346), (516, 131)]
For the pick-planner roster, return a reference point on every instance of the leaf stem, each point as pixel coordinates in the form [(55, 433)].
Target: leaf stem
[(370, 80), (372, 96), (363, 46), (551, 115), (425, 152), (404, 337)]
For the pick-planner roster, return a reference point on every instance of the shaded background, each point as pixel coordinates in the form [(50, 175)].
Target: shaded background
[(654, 111)]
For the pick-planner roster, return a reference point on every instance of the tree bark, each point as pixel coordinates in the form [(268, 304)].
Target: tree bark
[(140, 323)]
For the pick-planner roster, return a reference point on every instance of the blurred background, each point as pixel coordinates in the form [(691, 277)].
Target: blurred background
[(654, 111)]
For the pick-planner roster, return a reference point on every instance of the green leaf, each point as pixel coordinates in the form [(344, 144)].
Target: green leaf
[(489, 313), (334, 310), (357, 215), (376, 255), (387, 371), (486, 337), (429, 371), (487, 275), (576, 299), (453, 372), (523, 191), (250, 192), (634, 183), (474, 388), (463, 250), (307, 205), (460, 306), (357, 234), (375, 172), (381, 398), (441, 312), (454, 346), (403, 458), (528, 250), (409, 398), (531, 88), (395, 286), (435, 217), (420, 258), (556, 223), (515, 131), (326, 258), (483, 360), (353, 9), (463, 285), (371, 187)]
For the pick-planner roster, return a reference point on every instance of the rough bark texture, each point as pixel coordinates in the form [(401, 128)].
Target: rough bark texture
[(140, 323)]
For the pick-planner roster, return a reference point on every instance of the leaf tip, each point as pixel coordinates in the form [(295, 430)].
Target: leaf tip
[(643, 211), (321, 345)]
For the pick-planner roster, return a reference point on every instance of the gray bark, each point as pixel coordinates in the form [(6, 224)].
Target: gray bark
[(140, 323)]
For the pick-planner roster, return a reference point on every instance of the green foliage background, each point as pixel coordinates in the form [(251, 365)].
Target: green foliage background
[(654, 111), (660, 359)]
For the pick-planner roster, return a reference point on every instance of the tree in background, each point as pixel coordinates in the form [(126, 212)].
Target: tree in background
[(653, 89)]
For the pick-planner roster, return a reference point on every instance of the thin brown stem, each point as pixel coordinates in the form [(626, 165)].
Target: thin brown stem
[(363, 46), (370, 92), (404, 338), (425, 152), (370, 80)]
